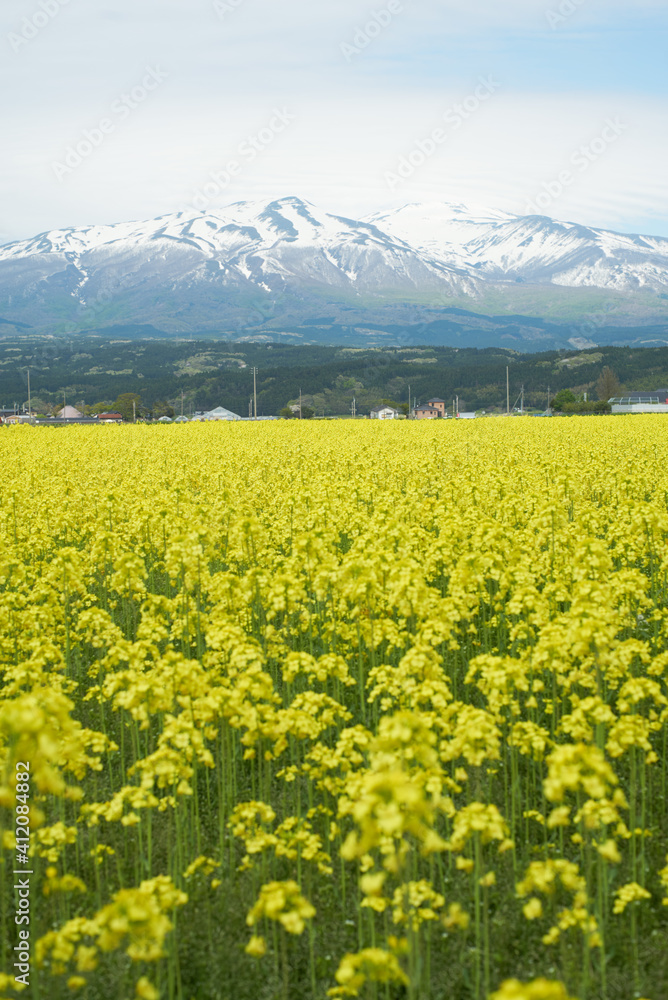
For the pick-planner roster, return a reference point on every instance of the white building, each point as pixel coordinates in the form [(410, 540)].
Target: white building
[(220, 413), (641, 402), (384, 413)]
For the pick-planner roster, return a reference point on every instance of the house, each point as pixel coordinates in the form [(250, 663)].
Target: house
[(438, 404), (384, 413), (6, 414), (69, 413), (110, 418), (426, 412), (18, 418), (655, 401)]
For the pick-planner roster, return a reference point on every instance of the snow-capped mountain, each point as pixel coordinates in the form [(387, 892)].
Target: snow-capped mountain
[(502, 247), (286, 262), (267, 245)]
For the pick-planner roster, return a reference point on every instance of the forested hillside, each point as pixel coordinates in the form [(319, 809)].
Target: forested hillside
[(203, 374)]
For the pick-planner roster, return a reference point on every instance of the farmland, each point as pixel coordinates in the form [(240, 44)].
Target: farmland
[(368, 709)]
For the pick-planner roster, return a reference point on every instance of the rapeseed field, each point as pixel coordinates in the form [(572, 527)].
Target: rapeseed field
[(337, 709)]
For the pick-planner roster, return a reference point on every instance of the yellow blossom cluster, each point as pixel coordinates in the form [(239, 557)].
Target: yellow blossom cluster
[(382, 706)]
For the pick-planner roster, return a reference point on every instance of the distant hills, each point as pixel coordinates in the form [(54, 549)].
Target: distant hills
[(286, 271)]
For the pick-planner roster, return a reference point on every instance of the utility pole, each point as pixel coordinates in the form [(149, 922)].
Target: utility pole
[(522, 402), (134, 412), (453, 409), (254, 370), (353, 408), (507, 390), (457, 405), (182, 395), (409, 401), (29, 406), (300, 404), (548, 401)]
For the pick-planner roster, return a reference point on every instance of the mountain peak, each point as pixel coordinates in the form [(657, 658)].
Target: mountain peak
[(289, 250)]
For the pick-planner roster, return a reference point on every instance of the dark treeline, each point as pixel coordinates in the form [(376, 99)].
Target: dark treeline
[(209, 373)]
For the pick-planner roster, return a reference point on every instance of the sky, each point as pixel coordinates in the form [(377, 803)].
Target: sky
[(119, 110)]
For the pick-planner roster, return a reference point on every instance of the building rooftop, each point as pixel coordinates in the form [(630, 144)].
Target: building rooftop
[(69, 413), (221, 413), (653, 396)]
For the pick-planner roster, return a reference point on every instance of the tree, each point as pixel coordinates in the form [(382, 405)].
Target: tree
[(123, 405), (563, 397), (607, 385), (307, 412), (40, 406), (287, 412), (163, 409), (599, 406)]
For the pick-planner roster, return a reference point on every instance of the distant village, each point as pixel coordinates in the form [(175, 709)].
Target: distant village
[(71, 415), (431, 410), (434, 409)]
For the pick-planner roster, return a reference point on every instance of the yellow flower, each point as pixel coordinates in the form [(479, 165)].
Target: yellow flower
[(283, 902), (371, 964), (533, 909), (609, 851), (629, 893), (538, 989), (145, 990), (257, 946), (456, 917)]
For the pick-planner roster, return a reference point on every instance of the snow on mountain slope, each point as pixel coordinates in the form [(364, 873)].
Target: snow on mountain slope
[(269, 245), (290, 260), (503, 247)]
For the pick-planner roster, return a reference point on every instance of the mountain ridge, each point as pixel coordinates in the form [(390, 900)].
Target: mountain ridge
[(257, 266)]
